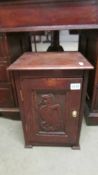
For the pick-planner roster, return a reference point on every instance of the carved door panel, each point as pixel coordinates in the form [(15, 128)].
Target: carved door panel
[(48, 107)]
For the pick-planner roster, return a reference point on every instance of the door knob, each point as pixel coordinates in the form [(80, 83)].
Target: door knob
[(74, 114)]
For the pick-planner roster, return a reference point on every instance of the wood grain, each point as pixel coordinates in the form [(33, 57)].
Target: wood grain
[(51, 61), (30, 16)]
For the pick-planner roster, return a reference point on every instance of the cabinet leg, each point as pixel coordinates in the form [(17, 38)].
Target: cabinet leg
[(28, 146), (90, 116), (76, 147)]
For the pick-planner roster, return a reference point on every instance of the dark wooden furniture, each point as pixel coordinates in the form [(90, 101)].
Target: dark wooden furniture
[(39, 15), (51, 90), (12, 45), (89, 47)]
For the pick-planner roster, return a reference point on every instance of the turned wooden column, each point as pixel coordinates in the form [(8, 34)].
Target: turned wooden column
[(55, 43)]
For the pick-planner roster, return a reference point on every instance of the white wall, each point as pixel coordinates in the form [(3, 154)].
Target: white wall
[(69, 42)]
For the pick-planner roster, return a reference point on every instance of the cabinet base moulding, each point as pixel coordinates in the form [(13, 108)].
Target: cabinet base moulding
[(91, 117)]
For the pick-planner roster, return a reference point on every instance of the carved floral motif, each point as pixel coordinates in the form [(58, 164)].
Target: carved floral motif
[(49, 113)]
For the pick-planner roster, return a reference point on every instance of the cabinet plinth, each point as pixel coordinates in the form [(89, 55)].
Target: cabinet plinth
[(51, 90)]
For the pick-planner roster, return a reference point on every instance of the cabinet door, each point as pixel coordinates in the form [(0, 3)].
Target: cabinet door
[(6, 97), (3, 47), (3, 72), (51, 110)]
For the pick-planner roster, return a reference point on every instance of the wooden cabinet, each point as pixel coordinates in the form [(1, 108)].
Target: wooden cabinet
[(6, 96), (49, 118), (51, 91), (89, 47), (12, 45)]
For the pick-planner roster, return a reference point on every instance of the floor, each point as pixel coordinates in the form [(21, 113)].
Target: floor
[(17, 160)]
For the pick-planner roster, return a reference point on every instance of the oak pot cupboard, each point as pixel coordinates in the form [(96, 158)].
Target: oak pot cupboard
[(51, 90)]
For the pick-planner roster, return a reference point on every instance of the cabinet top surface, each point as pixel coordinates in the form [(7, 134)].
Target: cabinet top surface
[(51, 61)]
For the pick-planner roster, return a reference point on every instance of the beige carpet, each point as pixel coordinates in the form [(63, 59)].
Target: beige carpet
[(17, 160)]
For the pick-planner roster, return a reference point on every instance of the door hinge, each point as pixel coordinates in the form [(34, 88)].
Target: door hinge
[(21, 95)]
